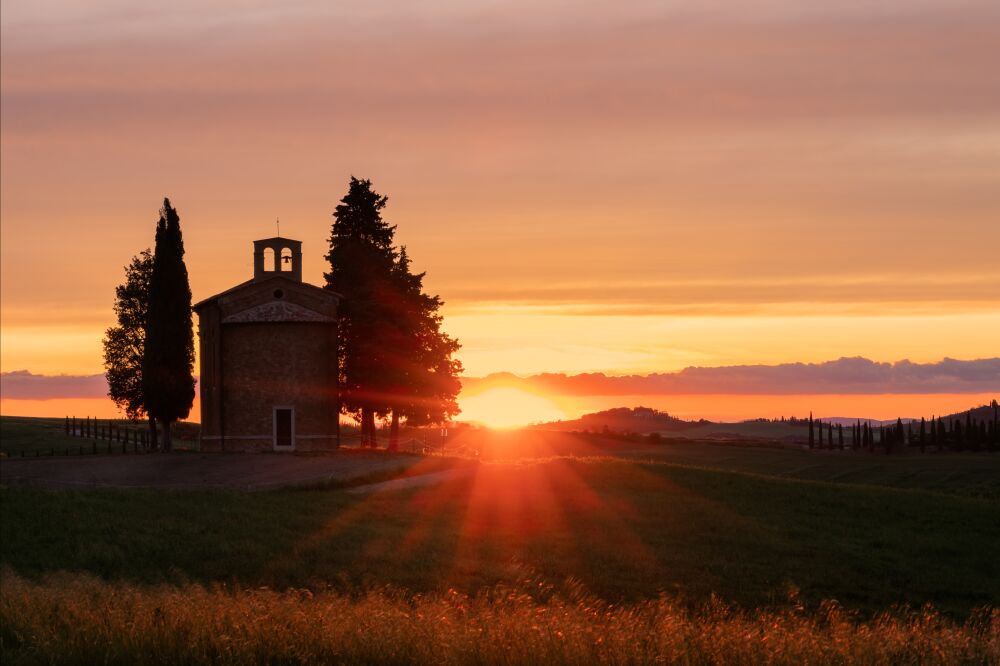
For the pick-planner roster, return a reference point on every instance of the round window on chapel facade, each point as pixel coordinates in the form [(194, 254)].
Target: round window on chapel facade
[(278, 293)]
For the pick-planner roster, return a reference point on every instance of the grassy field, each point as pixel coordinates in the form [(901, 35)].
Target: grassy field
[(971, 474), (777, 555), (625, 531), (48, 435), (82, 620)]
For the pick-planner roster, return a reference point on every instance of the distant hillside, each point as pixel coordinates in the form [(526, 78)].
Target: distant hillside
[(644, 420), (623, 419), (981, 413)]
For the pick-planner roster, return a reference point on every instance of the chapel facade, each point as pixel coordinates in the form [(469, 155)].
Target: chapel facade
[(268, 350)]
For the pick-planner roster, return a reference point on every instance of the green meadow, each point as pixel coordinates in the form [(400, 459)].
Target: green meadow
[(704, 551)]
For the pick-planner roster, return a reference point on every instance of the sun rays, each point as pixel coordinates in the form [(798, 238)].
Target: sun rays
[(509, 407)]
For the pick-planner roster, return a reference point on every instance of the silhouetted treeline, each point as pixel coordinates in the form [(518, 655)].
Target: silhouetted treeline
[(952, 433)]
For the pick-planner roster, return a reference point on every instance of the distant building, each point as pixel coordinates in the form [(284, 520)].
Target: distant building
[(269, 359)]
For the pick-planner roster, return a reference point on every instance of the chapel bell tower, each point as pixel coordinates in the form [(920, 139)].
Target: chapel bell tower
[(277, 256)]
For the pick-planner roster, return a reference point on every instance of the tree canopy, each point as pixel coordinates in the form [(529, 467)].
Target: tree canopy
[(125, 343)]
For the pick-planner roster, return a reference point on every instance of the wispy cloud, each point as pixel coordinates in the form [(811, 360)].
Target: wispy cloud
[(820, 294), (25, 385), (842, 376)]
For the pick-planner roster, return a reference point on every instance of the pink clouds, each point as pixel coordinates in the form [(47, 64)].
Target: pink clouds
[(24, 385), (843, 376)]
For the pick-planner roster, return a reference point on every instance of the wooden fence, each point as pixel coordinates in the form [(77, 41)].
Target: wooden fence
[(104, 437)]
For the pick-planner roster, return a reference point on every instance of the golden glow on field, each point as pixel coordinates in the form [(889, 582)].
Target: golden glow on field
[(508, 407)]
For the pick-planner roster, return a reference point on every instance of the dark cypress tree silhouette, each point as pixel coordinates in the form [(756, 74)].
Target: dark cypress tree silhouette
[(994, 436), (923, 435), (168, 359), (361, 260), (811, 436), (125, 343), (840, 435)]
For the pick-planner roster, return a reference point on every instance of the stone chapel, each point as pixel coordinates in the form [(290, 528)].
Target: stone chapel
[(268, 352)]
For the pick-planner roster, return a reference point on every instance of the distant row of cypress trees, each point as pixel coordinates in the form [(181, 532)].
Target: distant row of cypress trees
[(951, 434)]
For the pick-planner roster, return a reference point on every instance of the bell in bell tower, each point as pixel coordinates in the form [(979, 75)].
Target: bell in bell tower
[(277, 257)]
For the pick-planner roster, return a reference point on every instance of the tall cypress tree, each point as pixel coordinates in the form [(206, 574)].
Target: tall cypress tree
[(168, 359), (361, 260), (994, 429)]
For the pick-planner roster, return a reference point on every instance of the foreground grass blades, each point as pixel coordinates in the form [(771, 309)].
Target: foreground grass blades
[(67, 619)]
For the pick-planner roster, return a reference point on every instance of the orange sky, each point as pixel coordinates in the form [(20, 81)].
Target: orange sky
[(617, 187)]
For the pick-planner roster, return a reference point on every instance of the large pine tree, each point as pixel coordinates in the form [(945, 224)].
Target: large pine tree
[(125, 343), (395, 361), (168, 361)]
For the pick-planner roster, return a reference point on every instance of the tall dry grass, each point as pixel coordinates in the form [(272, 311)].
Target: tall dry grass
[(82, 620)]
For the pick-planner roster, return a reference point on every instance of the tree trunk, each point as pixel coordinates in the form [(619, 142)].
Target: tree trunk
[(367, 436), (394, 432), (168, 444), (370, 417), (153, 443)]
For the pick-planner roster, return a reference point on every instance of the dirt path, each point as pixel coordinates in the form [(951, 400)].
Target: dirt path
[(412, 481), (194, 470)]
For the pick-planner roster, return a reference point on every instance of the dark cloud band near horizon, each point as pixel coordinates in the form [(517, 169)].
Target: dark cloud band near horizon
[(842, 376)]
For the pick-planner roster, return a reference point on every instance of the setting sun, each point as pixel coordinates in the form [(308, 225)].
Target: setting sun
[(507, 407)]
